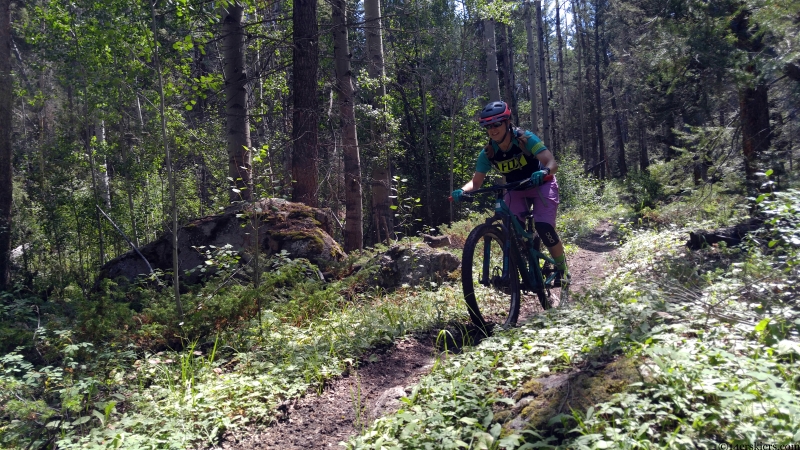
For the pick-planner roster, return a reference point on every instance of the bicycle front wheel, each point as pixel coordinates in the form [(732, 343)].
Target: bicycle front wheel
[(490, 278)]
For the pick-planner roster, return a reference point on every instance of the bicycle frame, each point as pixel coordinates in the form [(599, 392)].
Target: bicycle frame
[(528, 262)]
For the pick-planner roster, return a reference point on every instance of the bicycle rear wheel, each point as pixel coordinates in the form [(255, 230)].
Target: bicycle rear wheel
[(542, 295), (490, 278)]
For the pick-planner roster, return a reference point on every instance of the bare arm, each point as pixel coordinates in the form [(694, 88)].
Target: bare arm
[(546, 157), (475, 183)]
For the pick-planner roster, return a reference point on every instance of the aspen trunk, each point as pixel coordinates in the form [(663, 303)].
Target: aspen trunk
[(490, 47), (353, 227), (236, 110), (102, 167), (531, 69)]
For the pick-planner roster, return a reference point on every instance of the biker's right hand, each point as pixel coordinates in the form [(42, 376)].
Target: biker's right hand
[(457, 195)]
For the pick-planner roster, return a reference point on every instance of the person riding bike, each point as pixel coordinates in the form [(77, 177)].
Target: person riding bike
[(518, 155)]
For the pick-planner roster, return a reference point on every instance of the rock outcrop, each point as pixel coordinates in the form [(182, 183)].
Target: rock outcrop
[(411, 265), (302, 231)]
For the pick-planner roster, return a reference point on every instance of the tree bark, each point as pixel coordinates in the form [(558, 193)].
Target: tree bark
[(644, 158), (548, 141), (490, 47), (504, 68), (376, 69), (598, 100), (754, 113), (304, 91), (102, 175), (354, 225), (427, 148), (562, 105), (6, 171), (170, 174), (236, 110), (531, 69), (579, 47)]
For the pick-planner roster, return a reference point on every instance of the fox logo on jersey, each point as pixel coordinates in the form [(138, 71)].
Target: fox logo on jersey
[(511, 164)]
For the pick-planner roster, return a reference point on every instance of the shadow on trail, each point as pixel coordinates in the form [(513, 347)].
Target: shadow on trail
[(597, 243), (456, 335)]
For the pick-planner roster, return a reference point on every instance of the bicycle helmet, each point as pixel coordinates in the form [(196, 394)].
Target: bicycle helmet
[(494, 112)]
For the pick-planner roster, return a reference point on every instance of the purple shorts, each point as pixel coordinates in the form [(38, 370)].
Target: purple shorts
[(544, 199)]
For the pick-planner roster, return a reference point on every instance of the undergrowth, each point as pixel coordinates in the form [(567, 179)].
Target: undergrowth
[(118, 395), (714, 335)]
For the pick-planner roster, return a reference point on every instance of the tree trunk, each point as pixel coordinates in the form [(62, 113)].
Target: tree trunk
[(493, 86), (426, 147), (504, 67), (579, 47), (754, 113), (546, 137), (236, 110), (531, 69), (562, 104), (381, 214), (376, 69), (170, 174), (304, 91), (354, 224), (512, 78), (621, 164), (102, 175), (598, 105), (6, 171), (644, 158)]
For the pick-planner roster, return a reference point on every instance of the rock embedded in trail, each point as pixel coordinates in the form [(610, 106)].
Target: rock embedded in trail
[(411, 265), (302, 231)]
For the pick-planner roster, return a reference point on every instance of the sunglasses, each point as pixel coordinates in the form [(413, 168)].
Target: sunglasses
[(493, 125)]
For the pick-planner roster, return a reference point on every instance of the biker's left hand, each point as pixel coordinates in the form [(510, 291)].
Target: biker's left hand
[(537, 178)]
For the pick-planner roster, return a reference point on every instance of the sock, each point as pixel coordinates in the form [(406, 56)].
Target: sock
[(561, 262)]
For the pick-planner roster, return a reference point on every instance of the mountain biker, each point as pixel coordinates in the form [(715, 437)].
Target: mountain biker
[(518, 155)]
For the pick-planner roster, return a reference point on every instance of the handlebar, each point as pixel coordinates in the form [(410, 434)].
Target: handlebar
[(522, 184)]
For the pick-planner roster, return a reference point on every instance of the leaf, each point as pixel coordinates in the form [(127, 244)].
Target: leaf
[(769, 172), (468, 420), (772, 243), (761, 326), (761, 198), (82, 420), (99, 415), (393, 207)]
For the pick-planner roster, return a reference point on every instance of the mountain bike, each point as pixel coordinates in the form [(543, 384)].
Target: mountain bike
[(503, 263)]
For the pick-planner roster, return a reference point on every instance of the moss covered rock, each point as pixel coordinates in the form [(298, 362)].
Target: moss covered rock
[(268, 225)]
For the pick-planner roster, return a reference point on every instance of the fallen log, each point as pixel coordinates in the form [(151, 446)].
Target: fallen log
[(729, 235)]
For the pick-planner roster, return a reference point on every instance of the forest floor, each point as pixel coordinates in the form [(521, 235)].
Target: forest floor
[(349, 404)]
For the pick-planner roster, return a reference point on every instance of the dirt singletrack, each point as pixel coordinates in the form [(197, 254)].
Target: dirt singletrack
[(351, 402)]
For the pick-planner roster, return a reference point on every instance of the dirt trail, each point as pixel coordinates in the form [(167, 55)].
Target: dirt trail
[(350, 403)]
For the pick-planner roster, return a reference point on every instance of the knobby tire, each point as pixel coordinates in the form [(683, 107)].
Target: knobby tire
[(489, 304)]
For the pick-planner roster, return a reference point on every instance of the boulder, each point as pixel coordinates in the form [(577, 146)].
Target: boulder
[(302, 231), (411, 265)]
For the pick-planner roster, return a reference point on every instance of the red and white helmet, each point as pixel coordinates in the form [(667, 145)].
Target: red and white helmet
[(494, 112)]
